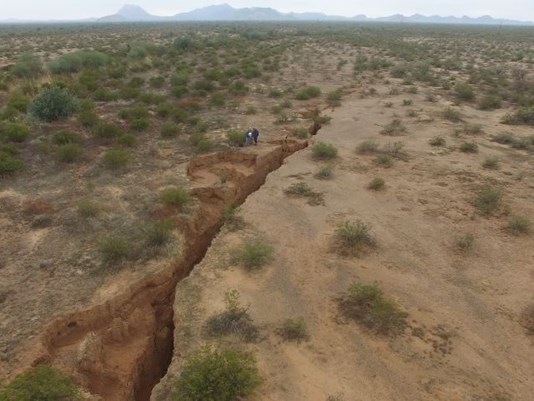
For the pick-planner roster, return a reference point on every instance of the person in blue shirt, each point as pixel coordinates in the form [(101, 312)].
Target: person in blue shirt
[(255, 135)]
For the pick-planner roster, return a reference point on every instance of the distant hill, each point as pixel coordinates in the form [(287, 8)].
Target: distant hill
[(225, 12)]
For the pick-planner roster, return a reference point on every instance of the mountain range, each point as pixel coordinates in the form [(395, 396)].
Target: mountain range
[(225, 12)]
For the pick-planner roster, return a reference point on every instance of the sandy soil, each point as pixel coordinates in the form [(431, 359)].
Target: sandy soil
[(463, 342)]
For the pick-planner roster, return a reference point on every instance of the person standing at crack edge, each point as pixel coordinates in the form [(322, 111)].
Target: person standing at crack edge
[(255, 135), (248, 137)]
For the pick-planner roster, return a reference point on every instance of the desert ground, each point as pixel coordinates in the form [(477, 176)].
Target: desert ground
[(375, 245)]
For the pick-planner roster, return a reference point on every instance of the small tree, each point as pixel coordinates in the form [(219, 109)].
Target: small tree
[(53, 103)]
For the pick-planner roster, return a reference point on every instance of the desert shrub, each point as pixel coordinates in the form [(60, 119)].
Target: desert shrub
[(353, 237), (64, 137), (115, 159), (325, 173), (488, 200), (235, 138), (504, 138), (377, 184), (519, 225), (368, 146), (88, 118), (9, 165), (366, 304), (164, 110), (114, 249), (324, 151), (308, 92), (452, 115), (69, 152), (522, 143), (127, 140), (170, 130), (469, 147), (464, 91), (254, 254), (15, 132), (334, 98), (407, 102), (139, 124), (42, 383), (438, 141), (18, 101), (293, 330), (394, 128), (489, 102), (216, 374), (275, 93), (491, 163), (525, 115), (465, 242), (231, 218), (106, 131), (176, 197), (384, 160), (159, 233), (52, 104), (203, 144), (88, 208), (218, 99), (66, 64), (28, 66), (234, 320), (302, 189)]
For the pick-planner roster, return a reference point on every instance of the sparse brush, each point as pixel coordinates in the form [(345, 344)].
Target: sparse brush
[(302, 189), (88, 208), (169, 130), (377, 184), (491, 163), (176, 197), (504, 138), (395, 128), (367, 305), (159, 233), (384, 160), (438, 141), (231, 218), (324, 151), (353, 238), (114, 249), (469, 147), (254, 254), (452, 115), (465, 242), (69, 153), (293, 330), (325, 173), (367, 147), (488, 200), (519, 225), (116, 159)]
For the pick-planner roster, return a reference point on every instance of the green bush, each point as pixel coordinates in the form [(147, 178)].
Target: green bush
[(114, 249), (525, 115), (377, 184), (18, 101), (384, 160), (302, 189), (394, 128), (28, 66), (519, 225), (504, 138), (115, 159), (52, 104), (106, 131), (325, 173), (176, 197), (69, 153), (323, 151), (452, 115), (334, 98), (255, 254), (469, 147), (127, 140), (65, 64), (64, 137), (232, 219), (235, 138), (15, 132), (42, 383), (489, 102), (464, 91), (170, 130), (352, 238), (216, 374), (308, 92), (139, 124), (491, 163), (293, 330), (367, 305), (9, 165), (488, 200)]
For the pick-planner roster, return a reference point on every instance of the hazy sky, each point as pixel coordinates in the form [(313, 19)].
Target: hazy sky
[(71, 9)]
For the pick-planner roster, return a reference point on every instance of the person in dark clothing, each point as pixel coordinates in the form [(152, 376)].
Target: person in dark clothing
[(255, 135)]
